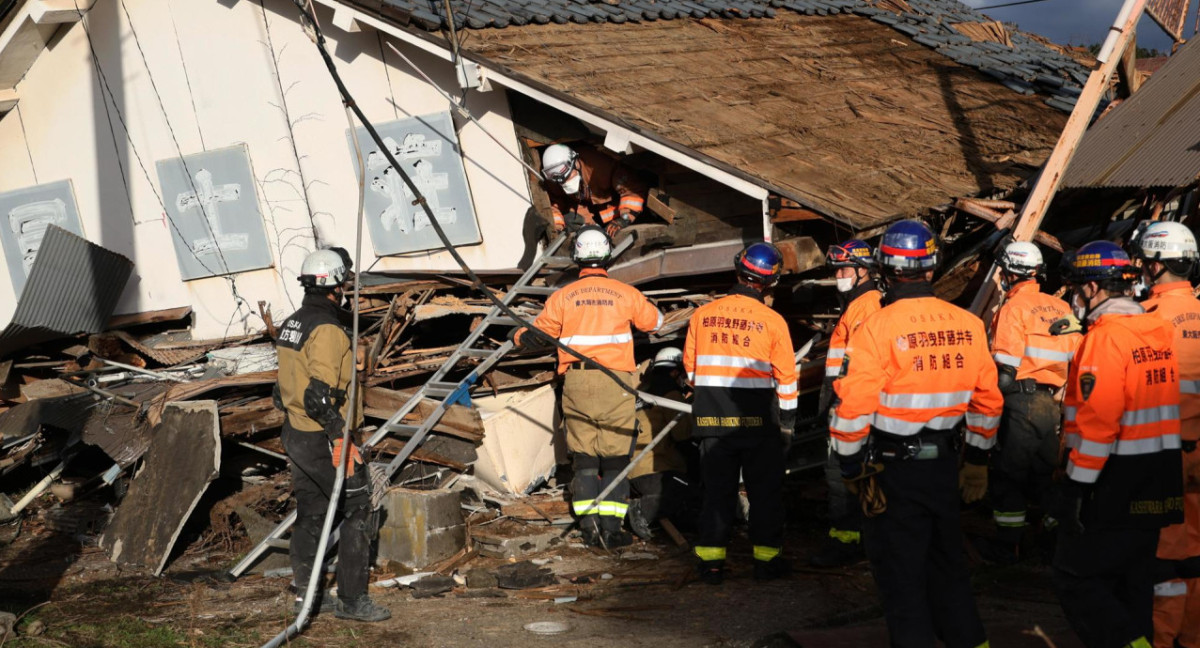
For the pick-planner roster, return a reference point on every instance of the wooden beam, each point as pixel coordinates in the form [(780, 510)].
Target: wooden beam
[(1048, 181)]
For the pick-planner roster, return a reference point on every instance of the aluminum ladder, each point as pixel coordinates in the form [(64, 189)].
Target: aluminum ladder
[(444, 392)]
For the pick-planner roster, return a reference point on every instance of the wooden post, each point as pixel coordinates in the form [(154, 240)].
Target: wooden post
[(1034, 209)]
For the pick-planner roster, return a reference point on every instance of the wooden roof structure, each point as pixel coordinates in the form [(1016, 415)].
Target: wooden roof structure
[(840, 113)]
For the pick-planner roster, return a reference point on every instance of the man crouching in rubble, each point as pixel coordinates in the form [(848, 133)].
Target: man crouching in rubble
[(315, 370)]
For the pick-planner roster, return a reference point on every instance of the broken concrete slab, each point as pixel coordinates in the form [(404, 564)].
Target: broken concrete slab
[(431, 586), (184, 456), (420, 528), (504, 545), (524, 575)]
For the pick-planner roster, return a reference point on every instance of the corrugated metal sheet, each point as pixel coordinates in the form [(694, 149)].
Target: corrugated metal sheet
[(1170, 15), (1150, 140), (73, 288)]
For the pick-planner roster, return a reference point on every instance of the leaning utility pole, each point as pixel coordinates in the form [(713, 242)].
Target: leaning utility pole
[(1047, 183)]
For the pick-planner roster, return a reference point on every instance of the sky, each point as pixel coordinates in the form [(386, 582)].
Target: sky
[(1080, 22)]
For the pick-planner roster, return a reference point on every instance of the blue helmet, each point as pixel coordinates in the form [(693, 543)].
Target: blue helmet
[(908, 247), (761, 263), (1100, 261), (852, 253)]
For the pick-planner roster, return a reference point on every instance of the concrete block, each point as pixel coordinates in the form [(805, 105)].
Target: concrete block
[(515, 546), (420, 528)]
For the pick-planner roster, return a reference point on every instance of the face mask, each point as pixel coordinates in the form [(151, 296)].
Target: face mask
[(571, 185), (845, 284), (1079, 306)]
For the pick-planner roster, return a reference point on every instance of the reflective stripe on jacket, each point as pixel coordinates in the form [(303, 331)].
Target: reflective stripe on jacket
[(856, 311), (739, 356), (608, 188), (1121, 422), (1021, 335), (1175, 303), (919, 363), (593, 315)]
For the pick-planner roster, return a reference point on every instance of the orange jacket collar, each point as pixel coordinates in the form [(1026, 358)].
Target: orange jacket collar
[(1028, 284), (1162, 289), (593, 272)]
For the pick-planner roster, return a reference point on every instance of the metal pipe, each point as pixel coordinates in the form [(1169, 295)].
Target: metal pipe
[(147, 372), (39, 488), (633, 462)]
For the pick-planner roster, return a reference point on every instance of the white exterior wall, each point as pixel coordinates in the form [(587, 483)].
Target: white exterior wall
[(213, 68)]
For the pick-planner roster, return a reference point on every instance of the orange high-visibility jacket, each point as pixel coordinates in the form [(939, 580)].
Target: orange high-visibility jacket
[(593, 315), (1121, 422), (856, 311), (1021, 335), (607, 189), (739, 356), (1175, 303), (918, 364)]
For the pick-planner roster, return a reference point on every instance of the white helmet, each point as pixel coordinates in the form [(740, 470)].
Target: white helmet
[(668, 357), (1163, 240), (323, 269), (558, 162), (593, 249), (1022, 258)]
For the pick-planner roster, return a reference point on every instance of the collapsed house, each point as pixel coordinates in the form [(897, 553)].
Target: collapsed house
[(196, 152)]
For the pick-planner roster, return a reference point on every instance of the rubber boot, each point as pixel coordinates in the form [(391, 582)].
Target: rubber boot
[(362, 608), (638, 522), (711, 572), (589, 530), (611, 533), (777, 567), (836, 553), (324, 603)]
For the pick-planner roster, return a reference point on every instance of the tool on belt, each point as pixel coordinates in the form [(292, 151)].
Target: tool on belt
[(866, 487)]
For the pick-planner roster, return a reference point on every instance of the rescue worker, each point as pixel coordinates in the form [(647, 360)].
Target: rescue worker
[(593, 315), (660, 480), (589, 186), (1123, 480), (739, 356), (1032, 368), (315, 370), (1168, 256), (854, 264), (914, 372)]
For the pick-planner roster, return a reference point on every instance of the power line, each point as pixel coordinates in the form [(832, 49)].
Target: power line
[(1009, 4)]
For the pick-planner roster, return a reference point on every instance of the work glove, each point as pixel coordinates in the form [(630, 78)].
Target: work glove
[(616, 225), (787, 435), (973, 481), (1065, 505), (355, 457), (1066, 326)]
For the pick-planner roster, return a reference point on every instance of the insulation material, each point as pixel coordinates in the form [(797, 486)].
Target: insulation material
[(520, 439), (183, 458)]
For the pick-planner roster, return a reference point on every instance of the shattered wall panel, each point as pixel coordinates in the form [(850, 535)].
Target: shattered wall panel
[(73, 287), (184, 456)]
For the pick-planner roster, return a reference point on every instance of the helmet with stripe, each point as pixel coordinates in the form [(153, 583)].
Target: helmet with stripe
[(852, 253), (593, 248), (1021, 258), (1100, 261), (760, 263), (908, 247)]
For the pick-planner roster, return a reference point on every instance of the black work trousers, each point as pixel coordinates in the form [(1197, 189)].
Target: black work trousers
[(311, 461), (1023, 465), (917, 557), (1105, 582), (756, 459)]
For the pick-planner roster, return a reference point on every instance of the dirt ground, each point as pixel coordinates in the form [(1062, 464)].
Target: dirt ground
[(66, 584)]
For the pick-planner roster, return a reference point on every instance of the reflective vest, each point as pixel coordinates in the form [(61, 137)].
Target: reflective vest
[(1022, 340), (918, 364), (593, 316), (607, 189), (856, 311), (1175, 303), (1121, 423), (739, 356)]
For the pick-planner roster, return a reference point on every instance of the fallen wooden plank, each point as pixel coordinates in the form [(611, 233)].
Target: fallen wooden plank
[(381, 402), (181, 461), (149, 317)]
